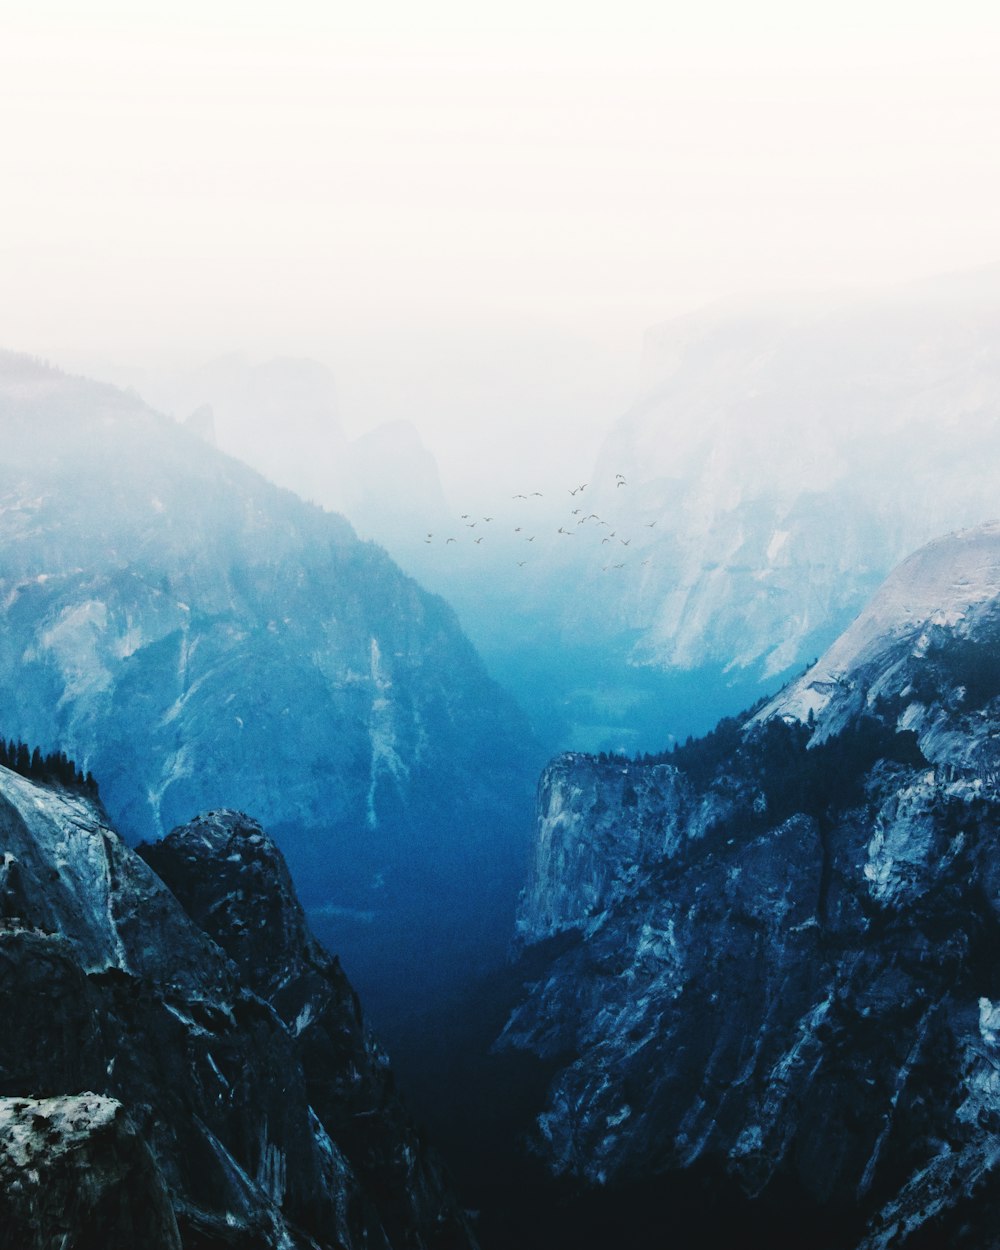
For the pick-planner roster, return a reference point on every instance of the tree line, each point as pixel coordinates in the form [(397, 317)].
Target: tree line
[(55, 767)]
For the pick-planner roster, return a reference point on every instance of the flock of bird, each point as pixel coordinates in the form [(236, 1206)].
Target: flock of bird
[(471, 522)]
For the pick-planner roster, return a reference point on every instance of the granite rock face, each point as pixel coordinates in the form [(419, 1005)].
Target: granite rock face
[(233, 882), (111, 992), (777, 959), (74, 1173), (199, 638)]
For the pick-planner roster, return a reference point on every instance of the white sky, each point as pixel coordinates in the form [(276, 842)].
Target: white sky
[(340, 180)]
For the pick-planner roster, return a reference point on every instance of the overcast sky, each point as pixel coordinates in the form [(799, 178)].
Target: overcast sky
[(337, 180)]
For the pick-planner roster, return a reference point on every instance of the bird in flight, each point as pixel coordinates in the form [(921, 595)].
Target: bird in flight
[(568, 533), (464, 516), (605, 540), (576, 511), (536, 492), (624, 541), (518, 528), (470, 525), (487, 518), (650, 524), (521, 563), (531, 539), (519, 496), (451, 540), (479, 539)]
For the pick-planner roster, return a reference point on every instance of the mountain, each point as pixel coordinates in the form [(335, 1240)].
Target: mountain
[(199, 638), (282, 416), (162, 1082), (759, 997), (788, 456), (779, 459)]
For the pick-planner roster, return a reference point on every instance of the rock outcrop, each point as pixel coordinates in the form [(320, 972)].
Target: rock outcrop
[(74, 1173), (246, 1072)]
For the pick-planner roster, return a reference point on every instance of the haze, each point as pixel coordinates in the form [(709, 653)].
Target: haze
[(472, 215)]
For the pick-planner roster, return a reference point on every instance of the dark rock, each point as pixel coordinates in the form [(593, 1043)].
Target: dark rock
[(109, 988)]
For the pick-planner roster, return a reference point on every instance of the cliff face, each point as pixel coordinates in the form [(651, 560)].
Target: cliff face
[(780, 968), (198, 638), (234, 884), (134, 1026)]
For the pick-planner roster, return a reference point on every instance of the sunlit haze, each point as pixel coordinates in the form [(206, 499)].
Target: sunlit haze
[(472, 214)]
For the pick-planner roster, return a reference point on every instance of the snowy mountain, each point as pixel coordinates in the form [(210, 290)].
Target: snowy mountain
[(197, 637), (156, 1088), (758, 991)]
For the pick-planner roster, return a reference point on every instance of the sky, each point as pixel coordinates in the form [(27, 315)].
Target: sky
[(473, 212)]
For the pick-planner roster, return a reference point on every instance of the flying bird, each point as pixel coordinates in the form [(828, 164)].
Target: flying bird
[(519, 496), (487, 518), (536, 492), (624, 541), (451, 540), (479, 539), (568, 533), (650, 524), (605, 540), (521, 563), (531, 539), (518, 528)]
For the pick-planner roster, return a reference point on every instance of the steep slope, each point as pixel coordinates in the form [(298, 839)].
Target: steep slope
[(774, 983), (233, 883), (782, 460), (198, 638), (136, 1030)]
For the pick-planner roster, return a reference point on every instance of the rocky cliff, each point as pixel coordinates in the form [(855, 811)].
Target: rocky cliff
[(159, 1082), (199, 638), (776, 970)]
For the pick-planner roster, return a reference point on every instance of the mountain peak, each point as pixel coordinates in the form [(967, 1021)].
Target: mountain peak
[(943, 585)]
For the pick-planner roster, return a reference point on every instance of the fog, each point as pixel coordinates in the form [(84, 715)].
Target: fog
[(471, 218)]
